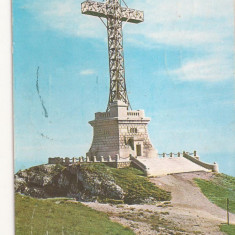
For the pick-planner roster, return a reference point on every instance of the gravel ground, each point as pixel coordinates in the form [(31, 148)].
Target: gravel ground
[(189, 211)]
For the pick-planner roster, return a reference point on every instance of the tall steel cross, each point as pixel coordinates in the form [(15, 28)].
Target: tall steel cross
[(115, 14)]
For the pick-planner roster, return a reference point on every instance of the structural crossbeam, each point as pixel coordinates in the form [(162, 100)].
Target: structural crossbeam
[(100, 9)]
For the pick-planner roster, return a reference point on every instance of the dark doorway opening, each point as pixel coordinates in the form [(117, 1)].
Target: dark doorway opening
[(138, 150)]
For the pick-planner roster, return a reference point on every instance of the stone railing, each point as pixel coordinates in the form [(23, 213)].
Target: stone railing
[(133, 113), (194, 158), (115, 162), (103, 159), (165, 155), (101, 115), (179, 154), (65, 161)]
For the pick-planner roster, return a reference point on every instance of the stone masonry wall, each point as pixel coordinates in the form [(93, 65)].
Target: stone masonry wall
[(138, 133), (120, 131), (105, 138), (113, 137)]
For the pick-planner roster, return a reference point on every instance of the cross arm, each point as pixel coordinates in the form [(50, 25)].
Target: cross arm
[(94, 8), (100, 9), (132, 15)]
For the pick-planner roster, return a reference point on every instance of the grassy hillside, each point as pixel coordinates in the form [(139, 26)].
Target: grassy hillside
[(136, 186), (61, 216), (219, 189), (89, 182), (229, 229)]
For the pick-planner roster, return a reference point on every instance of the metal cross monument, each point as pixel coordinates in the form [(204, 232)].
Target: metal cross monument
[(115, 15)]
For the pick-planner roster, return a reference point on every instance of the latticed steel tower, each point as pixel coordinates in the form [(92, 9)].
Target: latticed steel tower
[(118, 131), (115, 15)]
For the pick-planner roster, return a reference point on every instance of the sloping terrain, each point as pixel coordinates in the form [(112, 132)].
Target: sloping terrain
[(89, 182), (188, 200), (189, 211), (61, 216), (220, 188), (147, 209)]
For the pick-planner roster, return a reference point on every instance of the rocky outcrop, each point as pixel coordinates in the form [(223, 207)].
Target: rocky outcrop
[(77, 181)]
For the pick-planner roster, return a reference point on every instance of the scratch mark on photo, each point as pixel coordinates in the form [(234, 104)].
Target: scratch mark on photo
[(40, 97), (46, 137)]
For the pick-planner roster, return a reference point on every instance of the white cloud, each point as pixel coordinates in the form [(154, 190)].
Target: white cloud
[(66, 17), (210, 70), (163, 19), (182, 18), (184, 38), (173, 10), (87, 72), (203, 26)]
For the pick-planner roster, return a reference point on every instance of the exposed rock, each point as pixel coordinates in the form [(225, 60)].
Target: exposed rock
[(73, 181)]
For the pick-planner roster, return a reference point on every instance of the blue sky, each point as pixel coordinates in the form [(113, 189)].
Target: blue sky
[(179, 69)]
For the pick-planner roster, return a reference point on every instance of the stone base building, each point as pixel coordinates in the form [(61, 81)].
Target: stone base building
[(120, 131)]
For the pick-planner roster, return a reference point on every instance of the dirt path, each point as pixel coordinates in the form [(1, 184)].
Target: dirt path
[(186, 196), (189, 212)]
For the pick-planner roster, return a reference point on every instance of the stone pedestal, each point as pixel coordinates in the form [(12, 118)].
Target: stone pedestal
[(121, 132)]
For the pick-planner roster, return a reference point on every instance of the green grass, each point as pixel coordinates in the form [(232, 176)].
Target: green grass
[(218, 190), (229, 229), (135, 184), (60, 216)]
